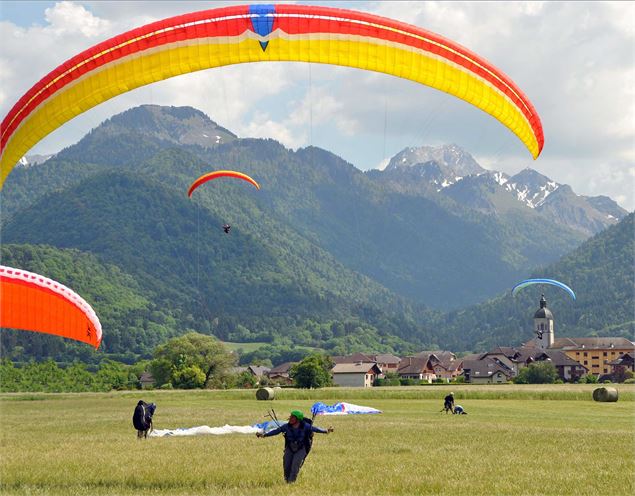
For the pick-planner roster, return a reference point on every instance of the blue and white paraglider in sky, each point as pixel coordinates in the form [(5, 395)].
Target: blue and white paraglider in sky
[(552, 282)]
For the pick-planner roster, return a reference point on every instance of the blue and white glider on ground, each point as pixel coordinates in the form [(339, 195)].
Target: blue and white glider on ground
[(341, 409), (552, 282)]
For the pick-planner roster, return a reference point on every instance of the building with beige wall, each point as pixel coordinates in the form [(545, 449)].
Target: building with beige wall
[(360, 374), (595, 353)]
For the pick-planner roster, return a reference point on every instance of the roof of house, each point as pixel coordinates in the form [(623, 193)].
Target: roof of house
[(429, 355), (473, 356), (355, 357), (356, 368), (259, 370), (485, 367), (592, 343), (453, 365), (625, 359), (386, 358), (507, 351), (561, 359), (283, 368), (526, 354), (238, 370), (444, 355), (413, 365), (146, 377)]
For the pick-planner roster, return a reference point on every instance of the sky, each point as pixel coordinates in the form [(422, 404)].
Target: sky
[(574, 60)]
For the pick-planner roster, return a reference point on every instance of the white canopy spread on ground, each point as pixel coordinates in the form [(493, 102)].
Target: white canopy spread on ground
[(205, 430)]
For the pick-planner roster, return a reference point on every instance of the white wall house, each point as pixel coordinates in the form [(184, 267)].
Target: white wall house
[(360, 374)]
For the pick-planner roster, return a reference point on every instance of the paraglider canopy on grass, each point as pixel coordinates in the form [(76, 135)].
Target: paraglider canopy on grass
[(341, 409)]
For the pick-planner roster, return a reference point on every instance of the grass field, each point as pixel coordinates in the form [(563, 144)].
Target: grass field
[(511, 443)]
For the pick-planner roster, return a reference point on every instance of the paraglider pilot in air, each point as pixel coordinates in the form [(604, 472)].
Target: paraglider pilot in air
[(226, 228), (298, 437)]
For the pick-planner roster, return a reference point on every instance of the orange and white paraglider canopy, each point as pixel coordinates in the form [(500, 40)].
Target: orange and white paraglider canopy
[(32, 302)]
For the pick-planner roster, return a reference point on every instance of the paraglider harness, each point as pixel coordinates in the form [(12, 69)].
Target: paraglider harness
[(305, 426), (142, 418)]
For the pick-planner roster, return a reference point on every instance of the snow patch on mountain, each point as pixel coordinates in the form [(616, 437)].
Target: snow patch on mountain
[(500, 177), (530, 187), (31, 160)]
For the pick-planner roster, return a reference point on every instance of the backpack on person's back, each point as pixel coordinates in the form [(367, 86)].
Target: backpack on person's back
[(142, 418)]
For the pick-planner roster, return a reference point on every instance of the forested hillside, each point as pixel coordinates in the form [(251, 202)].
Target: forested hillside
[(430, 250), (322, 256)]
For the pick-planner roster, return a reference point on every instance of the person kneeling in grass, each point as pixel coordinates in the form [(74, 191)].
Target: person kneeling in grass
[(298, 437), (458, 410)]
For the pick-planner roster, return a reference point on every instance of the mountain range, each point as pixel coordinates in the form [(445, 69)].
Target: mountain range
[(450, 171), (323, 255)]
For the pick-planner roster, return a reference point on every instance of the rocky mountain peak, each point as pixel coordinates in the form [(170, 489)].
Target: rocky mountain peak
[(531, 187), (179, 125), (452, 157)]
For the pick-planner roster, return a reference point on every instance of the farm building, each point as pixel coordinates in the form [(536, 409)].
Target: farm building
[(280, 374)]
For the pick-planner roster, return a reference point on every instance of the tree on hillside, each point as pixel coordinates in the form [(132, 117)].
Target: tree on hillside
[(537, 373), (192, 361), (313, 371)]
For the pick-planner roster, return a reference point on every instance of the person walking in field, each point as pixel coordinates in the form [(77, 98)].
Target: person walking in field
[(298, 437), (448, 403)]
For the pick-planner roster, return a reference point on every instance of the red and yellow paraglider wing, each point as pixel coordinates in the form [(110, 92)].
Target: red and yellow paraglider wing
[(222, 173), (33, 302), (257, 33)]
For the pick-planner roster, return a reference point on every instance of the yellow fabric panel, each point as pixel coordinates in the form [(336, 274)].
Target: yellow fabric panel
[(165, 62)]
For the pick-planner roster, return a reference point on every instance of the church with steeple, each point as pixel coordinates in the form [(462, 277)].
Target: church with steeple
[(572, 357), (543, 326), (594, 354)]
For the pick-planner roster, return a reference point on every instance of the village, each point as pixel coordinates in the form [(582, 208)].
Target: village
[(603, 359)]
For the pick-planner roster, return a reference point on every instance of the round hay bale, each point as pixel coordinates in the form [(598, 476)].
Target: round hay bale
[(605, 395), (265, 393)]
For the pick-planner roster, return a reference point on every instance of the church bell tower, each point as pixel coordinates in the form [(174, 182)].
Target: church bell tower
[(543, 325)]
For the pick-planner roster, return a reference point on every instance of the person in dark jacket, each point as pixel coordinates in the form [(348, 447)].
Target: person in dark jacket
[(142, 418), (448, 403), (297, 440)]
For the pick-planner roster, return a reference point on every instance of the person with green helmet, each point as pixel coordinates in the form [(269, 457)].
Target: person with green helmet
[(298, 433)]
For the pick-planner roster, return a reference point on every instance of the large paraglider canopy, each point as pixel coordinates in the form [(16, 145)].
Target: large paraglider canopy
[(221, 173), (259, 33), (551, 282), (33, 302)]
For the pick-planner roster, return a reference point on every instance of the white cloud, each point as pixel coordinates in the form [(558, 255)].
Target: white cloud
[(262, 126), (69, 17)]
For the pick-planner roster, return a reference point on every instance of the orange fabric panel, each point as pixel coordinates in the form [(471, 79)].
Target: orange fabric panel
[(30, 305)]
